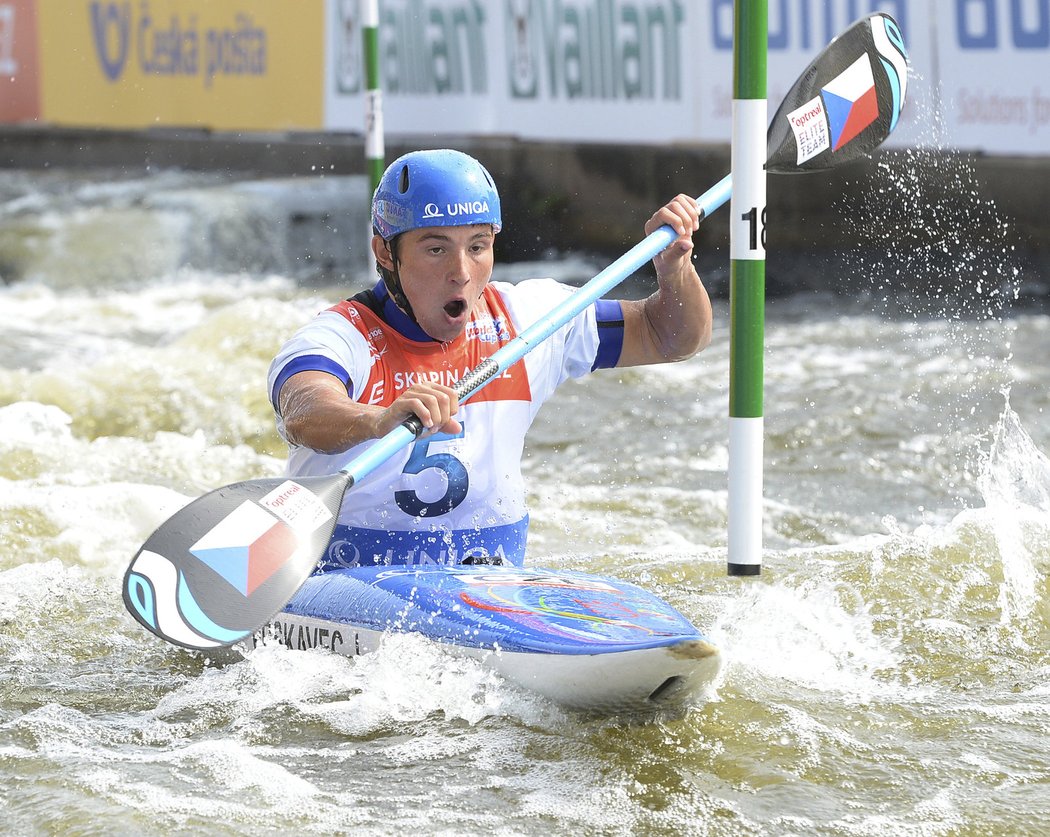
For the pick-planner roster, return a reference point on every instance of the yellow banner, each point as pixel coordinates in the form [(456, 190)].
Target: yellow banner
[(221, 64)]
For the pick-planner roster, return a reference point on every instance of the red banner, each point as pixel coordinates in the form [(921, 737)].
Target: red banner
[(19, 77)]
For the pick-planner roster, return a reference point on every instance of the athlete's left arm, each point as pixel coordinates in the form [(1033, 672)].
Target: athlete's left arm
[(674, 323)]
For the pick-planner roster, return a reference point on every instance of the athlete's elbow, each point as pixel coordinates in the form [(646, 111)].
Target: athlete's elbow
[(682, 333), (685, 352), (704, 338), (297, 432), (304, 432), (684, 344)]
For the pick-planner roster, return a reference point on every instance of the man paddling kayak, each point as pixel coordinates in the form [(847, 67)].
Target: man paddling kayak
[(363, 366)]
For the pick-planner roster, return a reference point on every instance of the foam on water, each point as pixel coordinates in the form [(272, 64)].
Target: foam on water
[(89, 500), (276, 738), (189, 355), (1016, 488), (819, 635)]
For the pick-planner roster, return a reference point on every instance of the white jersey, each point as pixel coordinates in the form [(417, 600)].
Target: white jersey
[(442, 499)]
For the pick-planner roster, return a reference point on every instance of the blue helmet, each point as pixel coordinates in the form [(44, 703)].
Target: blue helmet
[(439, 188)]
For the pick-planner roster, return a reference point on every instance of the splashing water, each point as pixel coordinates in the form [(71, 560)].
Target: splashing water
[(1015, 485)]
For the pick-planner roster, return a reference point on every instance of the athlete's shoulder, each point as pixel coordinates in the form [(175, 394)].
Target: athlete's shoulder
[(355, 310)]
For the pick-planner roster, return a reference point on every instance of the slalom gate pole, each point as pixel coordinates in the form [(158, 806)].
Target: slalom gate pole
[(375, 151), (747, 246)]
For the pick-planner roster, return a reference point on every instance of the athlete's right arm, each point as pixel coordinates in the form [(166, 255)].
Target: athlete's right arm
[(318, 414)]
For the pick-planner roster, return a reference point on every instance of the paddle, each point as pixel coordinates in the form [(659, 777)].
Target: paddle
[(220, 568)]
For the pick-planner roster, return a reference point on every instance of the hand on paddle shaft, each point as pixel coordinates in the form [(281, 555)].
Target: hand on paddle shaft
[(680, 287), (318, 415), (223, 566), (683, 216), (435, 405)]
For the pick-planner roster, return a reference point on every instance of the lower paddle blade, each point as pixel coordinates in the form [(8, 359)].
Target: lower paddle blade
[(846, 103), (219, 569)]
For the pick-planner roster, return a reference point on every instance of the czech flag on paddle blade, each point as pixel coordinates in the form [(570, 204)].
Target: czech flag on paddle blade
[(850, 102), (247, 547)]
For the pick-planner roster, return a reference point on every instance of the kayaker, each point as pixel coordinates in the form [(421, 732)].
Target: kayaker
[(361, 367)]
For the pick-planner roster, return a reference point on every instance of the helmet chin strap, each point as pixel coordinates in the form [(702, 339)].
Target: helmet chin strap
[(392, 280)]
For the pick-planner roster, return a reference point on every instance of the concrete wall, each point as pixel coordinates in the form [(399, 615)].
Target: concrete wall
[(594, 199)]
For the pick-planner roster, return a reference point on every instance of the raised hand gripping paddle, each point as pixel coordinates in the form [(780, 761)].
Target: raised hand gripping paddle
[(220, 568)]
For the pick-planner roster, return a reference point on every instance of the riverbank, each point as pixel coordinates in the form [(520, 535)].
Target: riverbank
[(841, 231)]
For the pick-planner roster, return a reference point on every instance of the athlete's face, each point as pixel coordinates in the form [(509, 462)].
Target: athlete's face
[(443, 272)]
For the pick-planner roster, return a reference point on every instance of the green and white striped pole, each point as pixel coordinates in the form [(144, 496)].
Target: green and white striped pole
[(747, 286), (375, 151)]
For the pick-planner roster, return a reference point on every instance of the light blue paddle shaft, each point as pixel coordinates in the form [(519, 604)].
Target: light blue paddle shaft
[(652, 245)]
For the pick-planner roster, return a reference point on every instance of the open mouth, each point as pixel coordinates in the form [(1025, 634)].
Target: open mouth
[(455, 308)]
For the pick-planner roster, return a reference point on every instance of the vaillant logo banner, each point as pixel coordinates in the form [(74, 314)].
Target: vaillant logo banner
[(346, 34), (569, 49), (595, 49), (645, 71), (426, 46), (562, 69)]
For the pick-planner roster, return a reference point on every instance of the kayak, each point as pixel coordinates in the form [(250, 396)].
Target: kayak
[(585, 641)]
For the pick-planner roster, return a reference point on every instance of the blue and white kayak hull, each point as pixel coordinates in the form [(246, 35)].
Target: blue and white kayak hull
[(585, 641)]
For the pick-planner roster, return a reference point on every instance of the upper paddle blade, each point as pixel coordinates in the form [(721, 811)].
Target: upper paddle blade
[(846, 103), (220, 568)]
